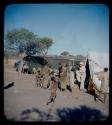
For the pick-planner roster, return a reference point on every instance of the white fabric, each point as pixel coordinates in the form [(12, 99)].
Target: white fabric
[(78, 75), (82, 76), (97, 82), (97, 62), (71, 78), (101, 59), (82, 81)]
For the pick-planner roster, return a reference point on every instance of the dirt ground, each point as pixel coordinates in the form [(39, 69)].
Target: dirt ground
[(26, 102)]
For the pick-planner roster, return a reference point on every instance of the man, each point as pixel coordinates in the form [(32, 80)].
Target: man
[(82, 75), (104, 77), (78, 77)]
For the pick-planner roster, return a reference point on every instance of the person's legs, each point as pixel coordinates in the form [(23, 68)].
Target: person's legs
[(24, 70), (27, 70), (105, 95), (82, 82), (49, 80), (100, 96), (36, 80), (79, 83), (52, 98), (59, 85), (95, 95)]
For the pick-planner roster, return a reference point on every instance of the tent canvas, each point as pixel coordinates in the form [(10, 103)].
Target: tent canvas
[(100, 60), (95, 64)]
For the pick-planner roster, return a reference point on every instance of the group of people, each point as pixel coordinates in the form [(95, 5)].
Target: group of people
[(25, 68), (63, 78)]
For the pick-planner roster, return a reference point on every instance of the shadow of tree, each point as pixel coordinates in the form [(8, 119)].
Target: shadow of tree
[(65, 114), (80, 114), (35, 115)]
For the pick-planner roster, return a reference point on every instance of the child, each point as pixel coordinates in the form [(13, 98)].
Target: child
[(54, 87), (39, 79)]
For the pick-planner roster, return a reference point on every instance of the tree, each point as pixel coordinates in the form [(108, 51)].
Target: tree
[(19, 38), (44, 44), (65, 53), (32, 48), (25, 41)]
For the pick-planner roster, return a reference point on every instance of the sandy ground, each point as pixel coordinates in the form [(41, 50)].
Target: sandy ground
[(26, 102)]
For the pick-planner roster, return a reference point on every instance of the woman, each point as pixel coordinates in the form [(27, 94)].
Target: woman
[(45, 72), (64, 77), (104, 84)]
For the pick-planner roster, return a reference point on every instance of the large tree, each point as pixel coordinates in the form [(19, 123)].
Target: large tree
[(19, 38), (44, 44), (27, 42)]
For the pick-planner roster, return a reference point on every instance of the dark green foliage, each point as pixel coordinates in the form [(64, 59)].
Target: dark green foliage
[(26, 41), (44, 44)]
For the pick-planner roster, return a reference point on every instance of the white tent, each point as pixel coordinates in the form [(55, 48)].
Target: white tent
[(101, 59), (97, 62)]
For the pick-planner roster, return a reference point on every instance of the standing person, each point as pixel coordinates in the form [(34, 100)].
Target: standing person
[(34, 70), (54, 86), (78, 79), (63, 77), (49, 78), (104, 84), (21, 66), (71, 76), (38, 78), (82, 75), (45, 74), (60, 69), (25, 68), (22, 71)]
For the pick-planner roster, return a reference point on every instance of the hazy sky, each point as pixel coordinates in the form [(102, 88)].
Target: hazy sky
[(73, 27)]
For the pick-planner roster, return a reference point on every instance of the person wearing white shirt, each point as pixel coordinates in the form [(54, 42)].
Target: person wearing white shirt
[(82, 75)]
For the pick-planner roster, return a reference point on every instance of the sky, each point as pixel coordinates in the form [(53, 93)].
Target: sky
[(73, 27)]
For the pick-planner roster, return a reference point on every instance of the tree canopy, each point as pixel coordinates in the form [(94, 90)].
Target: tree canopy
[(44, 44), (26, 41)]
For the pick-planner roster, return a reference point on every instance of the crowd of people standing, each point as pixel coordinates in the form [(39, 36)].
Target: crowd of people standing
[(64, 78)]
